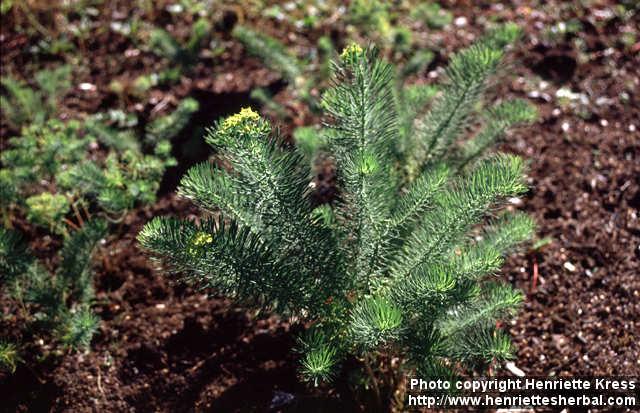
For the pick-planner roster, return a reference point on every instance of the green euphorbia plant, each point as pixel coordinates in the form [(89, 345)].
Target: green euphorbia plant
[(401, 263), (53, 169), (56, 307), (23, 105)]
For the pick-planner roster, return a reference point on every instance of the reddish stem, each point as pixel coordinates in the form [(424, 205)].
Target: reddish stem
[(71, 224), (534, 281)]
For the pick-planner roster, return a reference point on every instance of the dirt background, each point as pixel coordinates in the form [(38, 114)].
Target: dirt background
[(164, 347)]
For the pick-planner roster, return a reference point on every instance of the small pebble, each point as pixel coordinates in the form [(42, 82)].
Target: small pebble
[(132, 52), (515, 201), (175, 8), (514, 369), (87, 86), (460, 21), (569, 266)]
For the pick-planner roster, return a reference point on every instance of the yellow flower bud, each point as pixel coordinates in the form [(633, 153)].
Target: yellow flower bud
[(199, 240), (246, 116), (351, 51)]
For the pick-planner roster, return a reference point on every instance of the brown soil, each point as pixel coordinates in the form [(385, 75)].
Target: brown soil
[(583, 316), (165, 347)]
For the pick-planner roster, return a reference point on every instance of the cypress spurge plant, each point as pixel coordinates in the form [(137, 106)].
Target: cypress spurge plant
[(401, 264), (8, 356), (22, 104), (181, 57), (53, 170), (55, 306), (275, 55), (306, 76)]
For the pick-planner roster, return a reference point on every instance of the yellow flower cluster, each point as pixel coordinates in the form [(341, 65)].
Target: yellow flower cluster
[(246, 117), (199, 239), (351, 51)]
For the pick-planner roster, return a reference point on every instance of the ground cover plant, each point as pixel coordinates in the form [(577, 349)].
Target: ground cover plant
[(49, 170), (57, 306), (391, 267), (276, 56), (61, 176), (181, 57), (24, 105)]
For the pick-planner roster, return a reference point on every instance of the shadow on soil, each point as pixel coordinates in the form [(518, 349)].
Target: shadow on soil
[(189, 146)]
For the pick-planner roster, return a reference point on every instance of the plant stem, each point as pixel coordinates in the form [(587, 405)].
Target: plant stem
[(374, 382), (76, 212), (33, 21), (71, 224)]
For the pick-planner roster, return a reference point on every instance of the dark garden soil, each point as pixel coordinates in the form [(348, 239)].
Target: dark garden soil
[(165, 347)]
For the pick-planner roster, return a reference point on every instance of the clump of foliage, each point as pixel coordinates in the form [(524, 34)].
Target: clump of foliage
[(182, 57), (8, 356), (276, 57), (380, 21), (305, 81), (54, 305), (166, 45), (54, 169), (22, 105), (412, 100), (434, 16), (273, 53), (401, 264), (310, 141), (14, 258), (371, 15)]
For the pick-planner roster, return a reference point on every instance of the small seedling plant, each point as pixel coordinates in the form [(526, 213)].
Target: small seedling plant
[(181, 57), (401, 264), (23, 105), (55, 307), (275, 56)]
